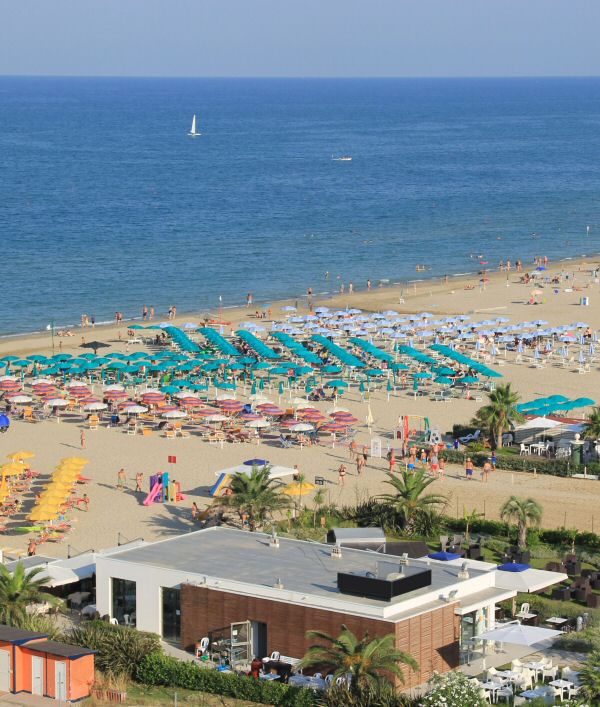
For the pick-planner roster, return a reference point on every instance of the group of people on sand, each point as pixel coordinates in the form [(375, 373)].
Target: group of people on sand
[(411, 455), (488, 466)]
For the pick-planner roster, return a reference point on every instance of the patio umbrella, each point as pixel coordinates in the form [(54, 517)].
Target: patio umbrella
[(519, 635), (444, 556), (174, 414)]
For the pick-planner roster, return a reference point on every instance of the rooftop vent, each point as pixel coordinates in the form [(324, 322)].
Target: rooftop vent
[(464, 572), (278, 583), (336, 552)]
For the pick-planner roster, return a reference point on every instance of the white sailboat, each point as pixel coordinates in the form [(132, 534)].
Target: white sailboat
[(193, 132)]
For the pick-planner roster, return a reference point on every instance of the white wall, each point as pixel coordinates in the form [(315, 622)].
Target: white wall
[(149, 581)]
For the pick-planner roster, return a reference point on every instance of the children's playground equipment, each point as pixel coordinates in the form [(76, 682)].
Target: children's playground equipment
[(415, 428), (162, 490)]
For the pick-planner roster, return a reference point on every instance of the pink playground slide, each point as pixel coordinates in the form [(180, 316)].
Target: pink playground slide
[(156, 489)]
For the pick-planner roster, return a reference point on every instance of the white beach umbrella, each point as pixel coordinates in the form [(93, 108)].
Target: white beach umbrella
[(20, 399), (302, 427), (216, 418), (134, 409), (174, 414), (14, 378), (35, 381), (114, 386), (337, 408), (225, 396), (95, 406), (258, 424), (57, 403)]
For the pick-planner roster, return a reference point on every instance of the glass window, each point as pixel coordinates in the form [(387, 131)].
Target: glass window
[(123, 600), (171, 614)]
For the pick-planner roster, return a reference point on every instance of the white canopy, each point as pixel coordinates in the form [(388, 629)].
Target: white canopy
[(275, 472), (519, 635), (530, 580)]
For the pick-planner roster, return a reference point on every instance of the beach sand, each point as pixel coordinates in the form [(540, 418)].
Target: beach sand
[(572, 502)]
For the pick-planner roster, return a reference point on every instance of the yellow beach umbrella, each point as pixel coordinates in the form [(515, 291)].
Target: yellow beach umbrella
[(298, 488), (73, 460), (12, 469), (42, 514), (19, 456)]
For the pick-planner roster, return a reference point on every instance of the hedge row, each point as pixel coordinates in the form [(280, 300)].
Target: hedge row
[(512, 462), (561, 536), (158, 669)]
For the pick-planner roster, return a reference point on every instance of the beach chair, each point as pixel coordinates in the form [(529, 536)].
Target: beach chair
[(146, 432), (285, 443), (170, 434), (93, 422)]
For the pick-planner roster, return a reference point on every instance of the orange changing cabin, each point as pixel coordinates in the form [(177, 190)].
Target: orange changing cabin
[(31, 663)]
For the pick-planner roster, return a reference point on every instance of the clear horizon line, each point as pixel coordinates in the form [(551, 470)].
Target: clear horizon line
[(299, 77)]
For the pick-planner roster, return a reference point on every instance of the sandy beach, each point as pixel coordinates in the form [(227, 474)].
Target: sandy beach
[(570, 501)]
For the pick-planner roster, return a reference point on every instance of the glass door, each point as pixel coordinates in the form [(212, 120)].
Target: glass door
[(171, 615)]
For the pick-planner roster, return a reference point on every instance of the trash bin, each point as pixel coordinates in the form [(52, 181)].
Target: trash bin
[(584, 301)]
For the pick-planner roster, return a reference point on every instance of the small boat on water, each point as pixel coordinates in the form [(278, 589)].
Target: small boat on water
[(341, 158), (193, 132)]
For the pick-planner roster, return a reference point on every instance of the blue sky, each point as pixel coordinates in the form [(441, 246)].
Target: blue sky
[(300, 37)]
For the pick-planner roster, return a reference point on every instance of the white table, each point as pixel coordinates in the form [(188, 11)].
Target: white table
[(537, 667), (557, 621), (562, 685), (532, 694), (492, 687), (269, 676)]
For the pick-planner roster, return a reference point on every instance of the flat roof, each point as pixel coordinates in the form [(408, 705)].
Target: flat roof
[(227, 557)]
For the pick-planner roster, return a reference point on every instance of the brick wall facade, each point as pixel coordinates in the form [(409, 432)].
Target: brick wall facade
[(432, 639)]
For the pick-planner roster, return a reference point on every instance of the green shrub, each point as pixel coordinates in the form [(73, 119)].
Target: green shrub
[(119, 649), (584, 641), (159, 669), (512, 462), (368, 696)]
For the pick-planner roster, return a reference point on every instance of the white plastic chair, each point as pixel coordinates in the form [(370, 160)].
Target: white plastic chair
[(275, 655), (202, 647)]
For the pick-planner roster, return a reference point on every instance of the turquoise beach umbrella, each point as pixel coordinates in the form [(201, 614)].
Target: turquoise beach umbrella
[(261, 384), (253, 389), (336, 384), (281, 388)]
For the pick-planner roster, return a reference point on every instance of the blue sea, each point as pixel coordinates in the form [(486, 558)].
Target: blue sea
[(106, 204)]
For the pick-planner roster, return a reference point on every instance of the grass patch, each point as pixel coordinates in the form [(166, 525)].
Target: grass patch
[(142, 695)]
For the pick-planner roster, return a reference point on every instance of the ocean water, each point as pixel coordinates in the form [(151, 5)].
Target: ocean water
[(106, 204)]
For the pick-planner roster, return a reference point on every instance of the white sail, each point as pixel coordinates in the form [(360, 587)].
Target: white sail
[(193, 132)]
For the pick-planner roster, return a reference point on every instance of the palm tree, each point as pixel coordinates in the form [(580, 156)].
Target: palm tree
[(257, 495), (19, 589), (589, 676), (593, 425), (410, 499), (499, 414), (470, 517), (364, 660), (523, 511), (318, 501)]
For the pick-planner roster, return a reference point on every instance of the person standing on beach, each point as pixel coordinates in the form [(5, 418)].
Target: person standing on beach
[(485, 471), (151, 313), (93, 320), (82, 439), (174, 309), (352, 449), (309, 295), (342, 474), (31, 548), (350, 288), (139, 477), (360, 464), (249, 299), (469, 469), (121, 479), (144, 313), (369, 285)]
